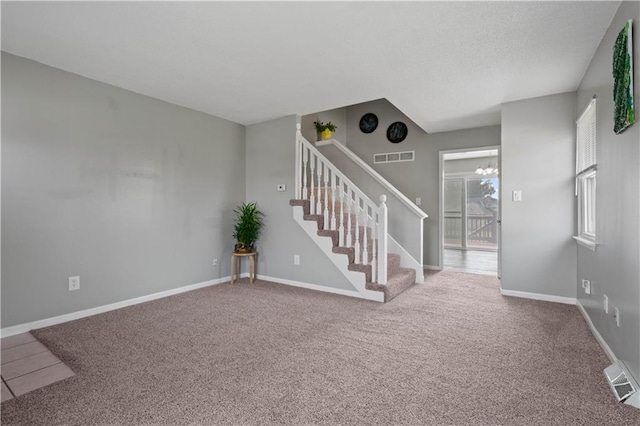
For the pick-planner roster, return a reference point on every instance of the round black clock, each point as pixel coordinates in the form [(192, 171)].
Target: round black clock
[(368, 122), (397, 132)]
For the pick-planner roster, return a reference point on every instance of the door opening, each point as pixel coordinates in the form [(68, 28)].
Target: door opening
[(470, 210)]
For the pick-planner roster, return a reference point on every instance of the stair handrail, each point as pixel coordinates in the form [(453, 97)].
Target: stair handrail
[(381, 180), (306, 151)]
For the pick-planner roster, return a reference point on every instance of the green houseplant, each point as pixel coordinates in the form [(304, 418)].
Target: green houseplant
[(325, 130), (247, 226)]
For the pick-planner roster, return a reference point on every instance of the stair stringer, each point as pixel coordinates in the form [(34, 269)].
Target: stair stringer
[(406, 260), (357, 279)]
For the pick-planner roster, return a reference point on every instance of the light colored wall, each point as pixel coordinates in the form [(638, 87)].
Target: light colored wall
[(614, 268), (270, 161), (469, 165), (420, 177), (538, 158), (337, 116), (132, 194)]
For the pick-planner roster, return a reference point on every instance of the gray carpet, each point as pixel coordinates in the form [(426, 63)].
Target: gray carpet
[(450, 351)]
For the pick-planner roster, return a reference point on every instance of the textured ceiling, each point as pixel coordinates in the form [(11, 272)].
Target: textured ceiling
[(447, 65)]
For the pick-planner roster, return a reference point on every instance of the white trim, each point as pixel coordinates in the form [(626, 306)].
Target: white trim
[(324, 142), (539, 296), (23, 328), (392, 189), (316, 287), (605, 347), (591, 245)]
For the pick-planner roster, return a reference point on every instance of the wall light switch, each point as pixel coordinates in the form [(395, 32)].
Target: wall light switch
[(282, 187), (517, 195)]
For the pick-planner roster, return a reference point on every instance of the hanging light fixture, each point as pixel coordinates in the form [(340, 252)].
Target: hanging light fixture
[(489, 170)]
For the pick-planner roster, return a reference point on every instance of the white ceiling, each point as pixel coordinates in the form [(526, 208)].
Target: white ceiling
[(446, 65)]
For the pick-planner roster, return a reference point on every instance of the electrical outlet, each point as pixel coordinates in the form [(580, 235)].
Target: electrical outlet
[(418, 201), (215, 261), (296, 259), (586, 284), (616, 316), (605, 303), (74, 283)]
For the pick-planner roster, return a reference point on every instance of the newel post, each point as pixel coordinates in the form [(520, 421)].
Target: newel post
[(298, 164), (382, 240)]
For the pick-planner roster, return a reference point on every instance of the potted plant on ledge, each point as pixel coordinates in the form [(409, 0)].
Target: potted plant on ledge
[(325, 130), (247, 226)]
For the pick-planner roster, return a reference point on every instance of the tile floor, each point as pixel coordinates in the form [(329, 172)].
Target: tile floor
[(28, 365)]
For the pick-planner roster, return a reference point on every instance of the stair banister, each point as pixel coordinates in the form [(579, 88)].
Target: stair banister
[(306, 153)]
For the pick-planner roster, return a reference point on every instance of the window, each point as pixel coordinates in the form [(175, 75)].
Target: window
[(586, 176)]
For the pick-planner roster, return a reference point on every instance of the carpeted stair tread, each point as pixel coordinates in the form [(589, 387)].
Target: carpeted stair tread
[(401, 280), (329, 233), (317, 217)]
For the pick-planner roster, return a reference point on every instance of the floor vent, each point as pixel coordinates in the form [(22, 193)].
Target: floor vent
[(624, 388)]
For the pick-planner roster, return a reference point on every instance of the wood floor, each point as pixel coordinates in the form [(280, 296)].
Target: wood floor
[(472, 261)]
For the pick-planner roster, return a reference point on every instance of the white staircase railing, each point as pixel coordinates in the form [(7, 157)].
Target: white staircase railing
[(320, 182)]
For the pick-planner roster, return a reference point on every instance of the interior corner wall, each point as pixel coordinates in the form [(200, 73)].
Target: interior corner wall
[(614, 268), (337, 116), (270, 161), (538, 158), (132, 194), (417, 178)]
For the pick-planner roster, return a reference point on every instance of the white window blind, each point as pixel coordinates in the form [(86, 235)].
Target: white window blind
[(586, 135)]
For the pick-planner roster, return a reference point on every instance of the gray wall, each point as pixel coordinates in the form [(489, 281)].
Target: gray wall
[(538, 158), (270, 161), (133, 194), (614, 268), (337, 116), (420, 177)]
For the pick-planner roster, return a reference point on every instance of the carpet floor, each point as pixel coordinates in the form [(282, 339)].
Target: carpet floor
[(451, 351)]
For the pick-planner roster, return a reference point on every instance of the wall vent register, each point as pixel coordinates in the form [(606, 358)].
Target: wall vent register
[(394, 157)]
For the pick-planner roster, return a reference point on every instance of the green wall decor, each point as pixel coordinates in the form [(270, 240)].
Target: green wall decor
[(624, 112)]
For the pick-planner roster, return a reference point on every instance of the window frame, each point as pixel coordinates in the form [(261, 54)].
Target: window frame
[(586, 176)]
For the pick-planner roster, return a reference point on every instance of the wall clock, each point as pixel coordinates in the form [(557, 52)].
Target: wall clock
[(397, 132), (368, 123)]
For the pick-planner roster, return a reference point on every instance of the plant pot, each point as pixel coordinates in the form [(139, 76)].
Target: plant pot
[(243, 248), (327, 134)]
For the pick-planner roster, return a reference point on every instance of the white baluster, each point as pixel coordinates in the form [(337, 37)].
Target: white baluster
[(374, 264), (356, 246), (333, 200), (318, 185), (341, 229), (313, 194), (382, 240), (326, 196), (349, 201), (365, 243), (305, 155)]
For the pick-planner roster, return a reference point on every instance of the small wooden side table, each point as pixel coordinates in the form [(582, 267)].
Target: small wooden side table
[(235, 265)]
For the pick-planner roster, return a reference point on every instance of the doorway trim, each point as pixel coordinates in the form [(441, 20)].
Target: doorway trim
[(441, 155)]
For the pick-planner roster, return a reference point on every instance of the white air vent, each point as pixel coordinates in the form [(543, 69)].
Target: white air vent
[(394, 157), (622, 384)]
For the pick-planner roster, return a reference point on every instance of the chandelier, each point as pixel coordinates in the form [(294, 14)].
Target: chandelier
[(490, 169)]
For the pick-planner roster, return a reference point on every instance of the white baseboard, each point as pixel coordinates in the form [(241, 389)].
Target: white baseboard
[(343, 292), (432, 267), (538, 296), (605, 347), (23, 328)]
